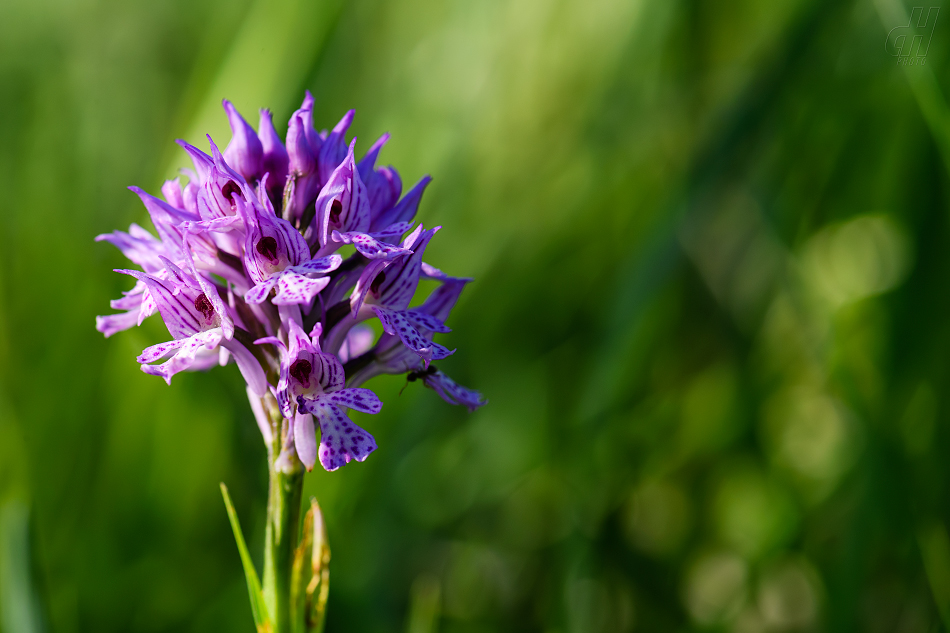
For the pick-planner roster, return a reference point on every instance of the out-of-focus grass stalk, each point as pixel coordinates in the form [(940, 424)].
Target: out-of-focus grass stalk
[(272, 53), (424, 605), (923, 83), (19, 605), (932, 540), (935, 550)]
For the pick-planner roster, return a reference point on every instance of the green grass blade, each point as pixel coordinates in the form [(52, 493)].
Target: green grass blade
[(258, 608)]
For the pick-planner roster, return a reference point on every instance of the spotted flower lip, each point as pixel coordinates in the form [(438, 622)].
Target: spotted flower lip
[(312, 383), (275, 255), (391, 356), (250, 246)]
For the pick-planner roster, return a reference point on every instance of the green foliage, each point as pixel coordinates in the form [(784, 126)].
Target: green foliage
[(258, 607), (710, 243)]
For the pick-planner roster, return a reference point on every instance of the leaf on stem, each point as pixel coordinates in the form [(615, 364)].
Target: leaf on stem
[(258, 607)]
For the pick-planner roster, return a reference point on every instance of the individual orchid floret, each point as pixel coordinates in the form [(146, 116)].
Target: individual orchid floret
[(312, 384), (245, 152), (391, 356), (303, 149), (144, 250), (222, 187), (275, 255), (387, 287), (342, 205), (196, 321)]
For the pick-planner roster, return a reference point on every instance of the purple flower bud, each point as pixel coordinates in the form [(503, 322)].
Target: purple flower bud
[(302, 158), (333, 150), (405, 211), (171, 189), (245, 152), (275, 161), (383, 185)]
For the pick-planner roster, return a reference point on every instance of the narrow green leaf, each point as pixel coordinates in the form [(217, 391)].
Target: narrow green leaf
[(258, 608)]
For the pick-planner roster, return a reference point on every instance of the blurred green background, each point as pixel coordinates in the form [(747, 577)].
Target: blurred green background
[(711, 249)]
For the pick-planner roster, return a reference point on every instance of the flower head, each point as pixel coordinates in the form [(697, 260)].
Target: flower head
[(246, 255)]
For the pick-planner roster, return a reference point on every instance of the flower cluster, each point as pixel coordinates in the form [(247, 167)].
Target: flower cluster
[(245, 267)]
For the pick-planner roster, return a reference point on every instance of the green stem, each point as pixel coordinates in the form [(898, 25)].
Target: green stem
[(285, 492)]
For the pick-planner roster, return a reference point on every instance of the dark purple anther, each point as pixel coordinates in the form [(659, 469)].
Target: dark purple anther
[(204, 306), (300, 370), (335, 210), (267, 247), (380, 279), (230, 189)]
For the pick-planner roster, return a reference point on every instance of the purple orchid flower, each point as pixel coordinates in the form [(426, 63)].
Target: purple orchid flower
[(275, 254), (312, 385), (387, 287), (196, 317), (391, 356), (246, 250)]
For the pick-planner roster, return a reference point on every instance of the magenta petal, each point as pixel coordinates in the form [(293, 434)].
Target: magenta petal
[(275, 160), (295, 289), (259, 292), (393, 232), (114, 323), (368, 246), (185, 356), (452, 392), (402, 277), (305, 439), (320, 265), (429, 322), (406, 209), (202, 162), (396, 323), (302, 157), (171, 189), (245, 153), (340, 439), (157, 352), (334, 148), (355, 398), (358, 341)]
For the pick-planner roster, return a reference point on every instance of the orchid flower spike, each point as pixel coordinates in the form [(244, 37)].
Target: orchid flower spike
[(274, 254)]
